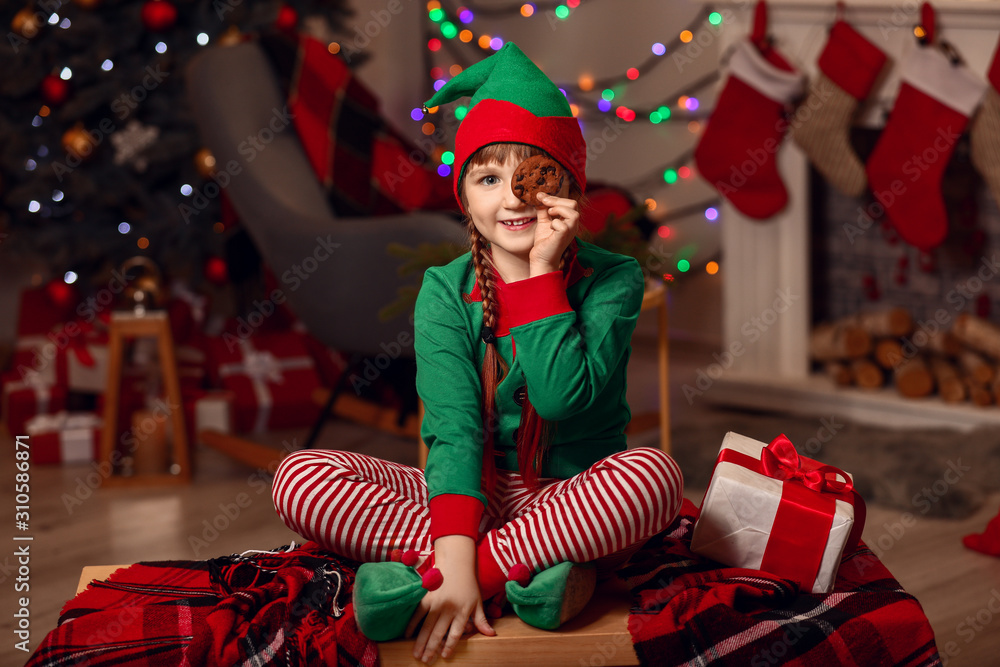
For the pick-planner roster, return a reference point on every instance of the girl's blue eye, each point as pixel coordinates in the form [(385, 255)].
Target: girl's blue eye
[(489, 180)]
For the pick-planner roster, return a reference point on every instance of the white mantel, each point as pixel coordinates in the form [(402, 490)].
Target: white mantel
[(767, 259)]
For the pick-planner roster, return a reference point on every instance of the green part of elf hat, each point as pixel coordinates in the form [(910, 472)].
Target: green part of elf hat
[(513, 102), (507, 75)]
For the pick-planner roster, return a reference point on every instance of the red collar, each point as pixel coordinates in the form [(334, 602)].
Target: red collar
[(574, 274)]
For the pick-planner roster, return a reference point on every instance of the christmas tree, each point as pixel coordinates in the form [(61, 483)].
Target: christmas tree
[(100, 159)]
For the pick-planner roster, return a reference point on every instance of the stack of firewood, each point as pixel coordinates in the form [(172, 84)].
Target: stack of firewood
[(957, 358)]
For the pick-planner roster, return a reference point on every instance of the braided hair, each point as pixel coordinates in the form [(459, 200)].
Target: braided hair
[(534, 433)]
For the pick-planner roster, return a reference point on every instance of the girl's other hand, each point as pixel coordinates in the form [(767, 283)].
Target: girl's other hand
[(448, 611), (557, 222)]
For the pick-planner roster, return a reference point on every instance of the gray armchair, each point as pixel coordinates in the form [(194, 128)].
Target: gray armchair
[(234, 95)]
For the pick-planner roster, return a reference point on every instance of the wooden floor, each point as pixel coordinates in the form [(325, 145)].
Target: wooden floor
[(227, 509)]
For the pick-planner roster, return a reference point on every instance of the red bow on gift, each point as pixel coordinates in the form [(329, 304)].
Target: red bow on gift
[(780, 461)]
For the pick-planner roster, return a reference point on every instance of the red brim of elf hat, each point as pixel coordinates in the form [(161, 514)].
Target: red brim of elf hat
[(498, 121)]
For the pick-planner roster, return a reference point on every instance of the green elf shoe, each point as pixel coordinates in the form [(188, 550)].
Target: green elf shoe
[(553, 596), (387, 594)]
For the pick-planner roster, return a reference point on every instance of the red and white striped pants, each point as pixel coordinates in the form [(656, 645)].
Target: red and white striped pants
[(362, 507)]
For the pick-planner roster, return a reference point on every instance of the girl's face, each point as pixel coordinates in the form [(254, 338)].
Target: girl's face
[(503, 219)]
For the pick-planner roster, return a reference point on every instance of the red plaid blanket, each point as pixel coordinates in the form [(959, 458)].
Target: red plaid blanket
[(366, 166), (288, 607), (690, 611), (293, 607)]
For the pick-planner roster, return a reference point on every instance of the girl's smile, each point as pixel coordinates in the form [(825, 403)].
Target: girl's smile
[(518, 224)]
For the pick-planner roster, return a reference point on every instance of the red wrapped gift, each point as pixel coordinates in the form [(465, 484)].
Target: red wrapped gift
[(187, 311), (38, 312), (28, 396), (273, 378), (191, 363), (767, 508), (39, 354), (64, 437)]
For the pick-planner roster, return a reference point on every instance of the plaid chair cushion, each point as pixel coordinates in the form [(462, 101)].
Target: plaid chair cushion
[(365, 166)]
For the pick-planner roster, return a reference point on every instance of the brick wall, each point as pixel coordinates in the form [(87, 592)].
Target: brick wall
[(858, 263)]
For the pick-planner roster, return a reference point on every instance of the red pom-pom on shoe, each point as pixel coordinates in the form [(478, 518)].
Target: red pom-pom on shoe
[(396, 555), (432, 579), (493, 608), (410, 558), (519, 573)]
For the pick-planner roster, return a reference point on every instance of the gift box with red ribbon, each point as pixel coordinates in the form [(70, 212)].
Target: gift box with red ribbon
[(24, 397), (273, 379), (64, 437), (768, 508), (87, 359), (71, 354), (39, 354)]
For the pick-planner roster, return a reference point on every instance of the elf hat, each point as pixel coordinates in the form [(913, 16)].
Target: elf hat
[(513, 101)]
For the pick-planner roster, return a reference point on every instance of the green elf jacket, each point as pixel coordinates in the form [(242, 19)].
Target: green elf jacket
[(566, 339)]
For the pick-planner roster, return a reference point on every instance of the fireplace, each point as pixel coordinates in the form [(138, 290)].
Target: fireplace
[(784, 274)]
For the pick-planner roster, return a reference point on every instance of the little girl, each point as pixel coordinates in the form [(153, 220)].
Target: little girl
[(522, 350)]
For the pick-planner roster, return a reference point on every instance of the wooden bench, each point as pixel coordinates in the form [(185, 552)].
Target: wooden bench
[(598, 636)]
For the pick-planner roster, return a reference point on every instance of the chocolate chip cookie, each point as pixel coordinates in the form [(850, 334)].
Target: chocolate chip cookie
[(539, 174)]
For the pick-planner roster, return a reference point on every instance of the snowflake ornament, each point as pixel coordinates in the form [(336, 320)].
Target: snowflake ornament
[(130, 141)]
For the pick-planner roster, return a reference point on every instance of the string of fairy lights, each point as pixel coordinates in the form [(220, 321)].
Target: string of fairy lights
[(458, 33)]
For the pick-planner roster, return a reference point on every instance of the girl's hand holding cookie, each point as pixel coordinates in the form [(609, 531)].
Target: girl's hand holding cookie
[(557, 223)]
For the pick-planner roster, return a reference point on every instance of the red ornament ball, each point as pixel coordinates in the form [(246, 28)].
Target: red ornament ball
[(158, 15), (60, 293), (216, 271), (54, 90), (287, 19)]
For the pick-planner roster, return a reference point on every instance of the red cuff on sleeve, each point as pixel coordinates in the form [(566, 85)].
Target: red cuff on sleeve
[(455, 514), (535, 298)]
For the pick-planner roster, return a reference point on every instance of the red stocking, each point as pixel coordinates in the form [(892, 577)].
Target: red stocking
[(984, 134), (935, 101), (736, 153)]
